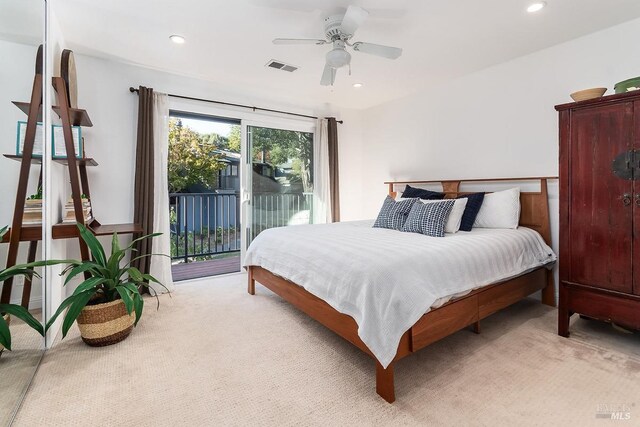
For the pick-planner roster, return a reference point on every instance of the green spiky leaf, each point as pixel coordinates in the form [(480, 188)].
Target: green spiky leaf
[(5, 334), (78, 303)]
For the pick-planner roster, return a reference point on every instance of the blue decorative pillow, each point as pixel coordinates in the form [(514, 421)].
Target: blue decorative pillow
[(393, 214), (429, 218), (474, 203), (410, 192)]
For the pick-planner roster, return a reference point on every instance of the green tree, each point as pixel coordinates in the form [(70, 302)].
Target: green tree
[(191, 160), (278, 146), (214, 139), (234, 139)]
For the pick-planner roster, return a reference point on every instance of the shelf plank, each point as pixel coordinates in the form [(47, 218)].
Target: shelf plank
[(79, 117), (70, 230), (30, 233), (64, 231), (86, 161), (109, 229)]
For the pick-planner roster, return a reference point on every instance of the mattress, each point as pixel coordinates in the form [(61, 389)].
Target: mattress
[(387, 279)]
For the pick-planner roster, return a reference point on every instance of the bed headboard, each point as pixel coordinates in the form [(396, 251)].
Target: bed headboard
[(534, 212)]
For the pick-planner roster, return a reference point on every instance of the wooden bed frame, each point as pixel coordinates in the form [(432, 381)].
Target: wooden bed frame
[(451, 317)]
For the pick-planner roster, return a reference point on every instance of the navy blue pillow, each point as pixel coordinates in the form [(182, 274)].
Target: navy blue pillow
[(474, 203), (411, 192)]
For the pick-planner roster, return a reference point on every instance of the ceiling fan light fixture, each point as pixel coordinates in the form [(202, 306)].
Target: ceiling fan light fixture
[(177, 39), (536, 7), (338, 57)]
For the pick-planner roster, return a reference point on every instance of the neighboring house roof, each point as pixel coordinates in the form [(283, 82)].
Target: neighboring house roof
[(230, 156)]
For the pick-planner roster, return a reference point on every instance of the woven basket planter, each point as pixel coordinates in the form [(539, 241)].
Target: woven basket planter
[(105, 324), (7, 319)]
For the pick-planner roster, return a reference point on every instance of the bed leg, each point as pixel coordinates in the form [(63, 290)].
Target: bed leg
[(476, 327), (384, 382), (251, 286), (549, 291)]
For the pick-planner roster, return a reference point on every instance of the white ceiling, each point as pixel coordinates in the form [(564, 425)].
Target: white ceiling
[(229, 41)]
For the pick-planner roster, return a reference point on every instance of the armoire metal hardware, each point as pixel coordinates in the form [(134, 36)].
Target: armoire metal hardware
[(624, 165)]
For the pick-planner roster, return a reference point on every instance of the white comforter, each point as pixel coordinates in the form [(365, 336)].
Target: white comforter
[(386, 279)]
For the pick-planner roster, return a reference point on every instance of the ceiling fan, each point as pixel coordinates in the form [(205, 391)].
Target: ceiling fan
[(339, 30)]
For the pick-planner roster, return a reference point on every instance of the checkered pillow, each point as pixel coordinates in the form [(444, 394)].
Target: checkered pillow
[(393, 214), (429, 218)]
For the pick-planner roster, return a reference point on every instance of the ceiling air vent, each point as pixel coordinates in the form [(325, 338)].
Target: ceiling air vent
[(281, 66)]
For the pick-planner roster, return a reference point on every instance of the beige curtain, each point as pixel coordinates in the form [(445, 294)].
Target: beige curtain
[(321, 182), (160, 266)]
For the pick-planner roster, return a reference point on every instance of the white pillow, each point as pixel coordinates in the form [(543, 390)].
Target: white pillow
[(500, 210), (455, 217)]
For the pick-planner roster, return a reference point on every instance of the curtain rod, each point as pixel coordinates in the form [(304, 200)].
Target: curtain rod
[(134, 90)]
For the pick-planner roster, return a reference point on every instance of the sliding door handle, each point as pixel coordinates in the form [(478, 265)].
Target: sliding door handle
[(626, 199)]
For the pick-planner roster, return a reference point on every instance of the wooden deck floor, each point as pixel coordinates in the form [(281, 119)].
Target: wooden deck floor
[(194, 270)]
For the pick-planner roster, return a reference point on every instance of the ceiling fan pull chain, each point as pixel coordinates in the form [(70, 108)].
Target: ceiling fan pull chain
[(349, 68)]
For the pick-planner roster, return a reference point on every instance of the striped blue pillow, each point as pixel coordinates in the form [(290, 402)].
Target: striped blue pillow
[(429, 218), (393, 214)]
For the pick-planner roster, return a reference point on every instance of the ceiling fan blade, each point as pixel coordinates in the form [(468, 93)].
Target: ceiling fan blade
[(328, 75), (378, 50), (353, 18), (299, 41)]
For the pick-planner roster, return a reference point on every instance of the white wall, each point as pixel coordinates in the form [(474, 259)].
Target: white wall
[(499, 122), (350, 161)]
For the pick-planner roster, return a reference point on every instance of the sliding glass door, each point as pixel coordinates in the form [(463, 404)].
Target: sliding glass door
[(229, 180), (204, 188), (279, 177)]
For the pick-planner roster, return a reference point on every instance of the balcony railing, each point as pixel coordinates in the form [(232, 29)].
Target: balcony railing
[(207, 224), (269, 210), (204, 224)]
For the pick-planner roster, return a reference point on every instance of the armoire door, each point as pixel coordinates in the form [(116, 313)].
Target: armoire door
[(636, 207), (602, 204), (636, 218)]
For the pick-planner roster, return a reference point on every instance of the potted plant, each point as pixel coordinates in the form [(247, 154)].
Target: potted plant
[(8, 310), (35, 198), (107, 304)]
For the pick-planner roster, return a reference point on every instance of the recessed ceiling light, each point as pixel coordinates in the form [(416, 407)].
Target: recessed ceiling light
[(357, 85), (177, 39), (536, 7)]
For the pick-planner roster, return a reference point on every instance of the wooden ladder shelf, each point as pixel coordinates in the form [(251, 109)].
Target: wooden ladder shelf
[(77, 168)]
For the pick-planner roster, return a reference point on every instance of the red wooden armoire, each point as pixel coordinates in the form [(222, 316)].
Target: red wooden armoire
[(600, 210)]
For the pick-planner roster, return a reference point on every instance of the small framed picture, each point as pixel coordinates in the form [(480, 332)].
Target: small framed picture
[(59, 150), (38, 143)]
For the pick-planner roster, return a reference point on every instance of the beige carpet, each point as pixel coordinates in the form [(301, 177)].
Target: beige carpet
[(213, 355), (17, 367)]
